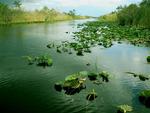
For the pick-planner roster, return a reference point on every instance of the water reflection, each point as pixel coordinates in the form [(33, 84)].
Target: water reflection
[(31, 87)]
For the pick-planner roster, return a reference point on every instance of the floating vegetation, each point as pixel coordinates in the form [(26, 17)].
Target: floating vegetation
[(30, 60), (141, 76), (92, 95), (102, 34), (144, 98), (124, 109), (96, 76), (73, 83), (104, 75), (76, 82), (148, 59), (92, 76), (58, 86), (44, 60)]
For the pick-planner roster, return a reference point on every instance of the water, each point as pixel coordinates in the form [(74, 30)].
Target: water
[(30, 89)]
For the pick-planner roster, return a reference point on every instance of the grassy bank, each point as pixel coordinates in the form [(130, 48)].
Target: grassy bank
[(112, 17), (17, 15)]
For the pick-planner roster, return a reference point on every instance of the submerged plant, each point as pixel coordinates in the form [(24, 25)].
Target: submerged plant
[(124, 109)]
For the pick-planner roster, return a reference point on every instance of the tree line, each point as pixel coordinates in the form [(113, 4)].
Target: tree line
[(135, 14)]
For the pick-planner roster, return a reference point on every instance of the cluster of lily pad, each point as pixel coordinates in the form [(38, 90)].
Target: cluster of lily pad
[(96, 33), (144, 98), (76, 82), (43, 61)]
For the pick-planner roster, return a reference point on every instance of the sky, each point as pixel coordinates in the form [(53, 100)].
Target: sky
[(82, 7)]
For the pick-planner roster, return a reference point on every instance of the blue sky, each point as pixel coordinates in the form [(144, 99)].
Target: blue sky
[(82, 7)]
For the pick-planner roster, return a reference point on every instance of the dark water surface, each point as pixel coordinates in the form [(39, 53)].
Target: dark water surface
[(30, 89)]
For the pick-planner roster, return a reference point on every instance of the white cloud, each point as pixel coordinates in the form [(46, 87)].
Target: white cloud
[(82, 6), (93, 3)]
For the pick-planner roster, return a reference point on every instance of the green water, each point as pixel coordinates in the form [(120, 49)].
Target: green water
[(30, 89)]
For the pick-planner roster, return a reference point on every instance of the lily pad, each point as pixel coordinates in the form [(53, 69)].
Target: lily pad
[(92, 76), (30, 60), (44, 61), (105, 76), (124, 109), (144, 98)]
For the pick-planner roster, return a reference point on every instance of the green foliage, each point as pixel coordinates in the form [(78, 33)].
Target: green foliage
[(10, 15), (17, 4), (135, 14), (44, 60), (112, 17), (72, 13), (145, 93), (5, 14), (144, 98)]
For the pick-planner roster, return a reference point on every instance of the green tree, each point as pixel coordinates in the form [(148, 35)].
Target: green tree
[(17, 4), (5, 13), (72, 13)]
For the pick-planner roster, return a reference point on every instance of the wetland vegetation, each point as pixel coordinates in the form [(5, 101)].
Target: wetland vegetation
[(15, 14), (128, 25)]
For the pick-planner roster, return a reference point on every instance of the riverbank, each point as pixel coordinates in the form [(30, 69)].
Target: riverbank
[(9, 15), (42, 21)]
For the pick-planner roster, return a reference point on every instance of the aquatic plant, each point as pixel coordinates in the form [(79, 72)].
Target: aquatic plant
[(144, 98), (124, 109), (92, 76), (58, 86), (105, 76), (72, 87), (148, 59), (92, 34), (30, 60), (79, 52), (44, 60), (73, 83), (50, 45), (92, 95)]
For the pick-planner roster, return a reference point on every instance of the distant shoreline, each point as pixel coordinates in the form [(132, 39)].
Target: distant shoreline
[(33, 22)]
